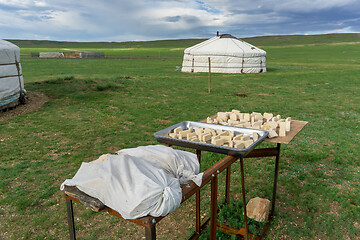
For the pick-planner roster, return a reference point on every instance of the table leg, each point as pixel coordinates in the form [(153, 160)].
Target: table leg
[(213, 221), (70, 219), (150, 233), (275, 180), (243, 197), (198, 218), (227, 186)]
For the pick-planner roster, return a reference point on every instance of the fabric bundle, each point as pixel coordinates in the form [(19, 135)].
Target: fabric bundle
[(139, 181)]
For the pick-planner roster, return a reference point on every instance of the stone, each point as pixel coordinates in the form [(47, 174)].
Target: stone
[(252, 119), (226, 138), (240, 116), (282, 131), (199, 131), (209, 120), (255, 136), (233, 116), (238, 144), (178, 130), (217, 141), (194, 139), (247, 125), (268, 116), (184, 134), (245, 137), (190, 135), (288, 124), (173, 135), (247, 143), (238, 137), (222, 116), (258, 209), (256, 125), (247, 117), (204, 137), (272, 134)]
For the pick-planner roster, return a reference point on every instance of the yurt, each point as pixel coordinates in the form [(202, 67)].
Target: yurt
[(224, 54), (12, 90)]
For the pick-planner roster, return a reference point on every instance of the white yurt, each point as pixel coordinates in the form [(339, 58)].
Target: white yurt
[(12, 90), (227, 55)]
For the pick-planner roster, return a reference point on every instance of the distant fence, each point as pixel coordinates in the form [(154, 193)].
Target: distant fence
[(71, 55), (92, 55)]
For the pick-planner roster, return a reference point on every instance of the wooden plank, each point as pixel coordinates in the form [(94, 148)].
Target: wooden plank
[(74, 194), (238, 232), (95, 204)]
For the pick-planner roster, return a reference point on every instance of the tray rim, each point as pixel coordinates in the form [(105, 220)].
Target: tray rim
[(207, 146)]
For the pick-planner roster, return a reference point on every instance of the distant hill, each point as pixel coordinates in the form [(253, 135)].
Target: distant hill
[(304, 39), (280, 40)]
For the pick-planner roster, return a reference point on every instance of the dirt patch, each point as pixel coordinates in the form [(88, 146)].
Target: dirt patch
[(35, 101), (162, 121), (176, 49), (335, 208), (68, 49), (240, 94)]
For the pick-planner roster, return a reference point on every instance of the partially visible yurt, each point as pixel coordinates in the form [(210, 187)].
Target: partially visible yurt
[(12, 90), (227, 55)]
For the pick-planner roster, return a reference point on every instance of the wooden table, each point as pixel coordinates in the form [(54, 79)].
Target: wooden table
[(210, 175)]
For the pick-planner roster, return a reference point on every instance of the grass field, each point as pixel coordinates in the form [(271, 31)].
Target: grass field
[(102, 105)]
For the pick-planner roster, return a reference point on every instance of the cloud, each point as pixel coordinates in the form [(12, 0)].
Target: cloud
[(120, 20), (23, 3)]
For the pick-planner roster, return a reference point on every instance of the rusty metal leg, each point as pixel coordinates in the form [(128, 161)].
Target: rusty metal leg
[(198, 217), (275, 181), (227, 187), (213, 221), (243, 197), (198, 154), (150, 232), (70, 218)]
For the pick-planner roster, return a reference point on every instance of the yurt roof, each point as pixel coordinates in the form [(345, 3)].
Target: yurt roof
[(225, 45), (8, 52)]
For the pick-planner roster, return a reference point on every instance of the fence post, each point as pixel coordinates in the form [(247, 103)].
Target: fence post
[(209, 75)]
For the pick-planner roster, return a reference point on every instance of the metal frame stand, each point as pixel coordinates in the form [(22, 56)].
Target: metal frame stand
[(244, 232), (70, 218)]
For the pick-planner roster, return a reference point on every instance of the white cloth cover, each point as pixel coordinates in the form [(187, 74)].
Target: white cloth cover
[(140, 181), (51, 55), (180, 164), (9, 79), (227, 55)]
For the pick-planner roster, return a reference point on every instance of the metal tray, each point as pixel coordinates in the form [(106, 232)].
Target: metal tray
[(161, 136)]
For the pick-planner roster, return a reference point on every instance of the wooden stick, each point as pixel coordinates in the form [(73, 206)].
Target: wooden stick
[(209, 75)]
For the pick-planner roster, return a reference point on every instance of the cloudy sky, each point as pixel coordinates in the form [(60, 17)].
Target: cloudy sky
[(121, 20)]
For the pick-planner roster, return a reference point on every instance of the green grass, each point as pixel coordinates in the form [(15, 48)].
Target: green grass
[(102, 105)]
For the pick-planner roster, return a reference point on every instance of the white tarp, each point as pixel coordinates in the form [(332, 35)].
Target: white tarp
[(227, 55), (51, 55), (139, 181), (10, 84)]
